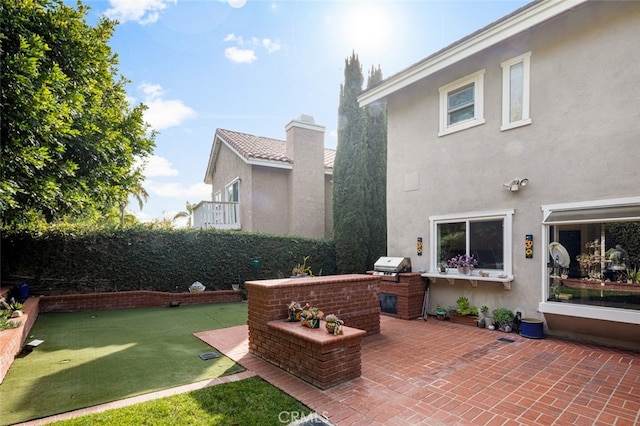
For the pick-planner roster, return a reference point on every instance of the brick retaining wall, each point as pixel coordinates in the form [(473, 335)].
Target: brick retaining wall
[(11, 340), (131, 299)]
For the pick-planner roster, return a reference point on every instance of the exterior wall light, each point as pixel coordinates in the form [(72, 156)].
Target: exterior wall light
[(516, 184)]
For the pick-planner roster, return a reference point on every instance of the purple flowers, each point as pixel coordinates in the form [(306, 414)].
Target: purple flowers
[(463, 260)]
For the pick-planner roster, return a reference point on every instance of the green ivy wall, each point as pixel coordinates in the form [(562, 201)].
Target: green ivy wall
[(77, 261)]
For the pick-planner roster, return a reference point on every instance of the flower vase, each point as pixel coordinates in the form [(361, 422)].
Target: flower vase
[(464, 270)]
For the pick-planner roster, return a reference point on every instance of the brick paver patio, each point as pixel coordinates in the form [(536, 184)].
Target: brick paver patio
[(438, 373)]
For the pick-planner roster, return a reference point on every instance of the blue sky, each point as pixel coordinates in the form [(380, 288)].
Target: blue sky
[(252, 66)]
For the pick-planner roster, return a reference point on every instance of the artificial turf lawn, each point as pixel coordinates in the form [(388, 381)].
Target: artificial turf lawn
[(245, 402), (90, 358)]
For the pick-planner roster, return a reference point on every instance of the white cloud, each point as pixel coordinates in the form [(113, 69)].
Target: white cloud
[(270, 45), (245, 51), (163, 113), (234, 38), (151, 91), (196, 191), (141, 11), (240, 56), (155, 165)]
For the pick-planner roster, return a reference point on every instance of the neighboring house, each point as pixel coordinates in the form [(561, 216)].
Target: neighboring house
[(548, 96), (269, 185)]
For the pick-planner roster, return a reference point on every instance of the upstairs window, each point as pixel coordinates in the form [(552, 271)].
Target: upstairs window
[(462, 104), (515, 92), (233, 191)]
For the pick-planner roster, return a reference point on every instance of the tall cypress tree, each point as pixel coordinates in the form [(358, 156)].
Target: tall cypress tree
[(376, 152), (350, 176)]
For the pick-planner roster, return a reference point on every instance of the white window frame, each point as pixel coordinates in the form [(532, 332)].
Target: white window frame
[(229, 186), (576, 310), (477, 79), (525, 60), (506, 215)]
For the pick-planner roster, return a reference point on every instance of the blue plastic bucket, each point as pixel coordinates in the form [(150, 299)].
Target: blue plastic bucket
[(531, 328), (22, 292)]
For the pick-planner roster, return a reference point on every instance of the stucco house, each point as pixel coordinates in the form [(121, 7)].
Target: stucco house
[(520, 145), (270, 185)]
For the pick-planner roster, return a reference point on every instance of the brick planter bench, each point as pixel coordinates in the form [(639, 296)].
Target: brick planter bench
[(353, 298), (315, 356)]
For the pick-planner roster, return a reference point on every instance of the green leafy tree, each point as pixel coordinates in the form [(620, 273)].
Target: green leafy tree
[(376, 152), (350, 175), (69, 136)]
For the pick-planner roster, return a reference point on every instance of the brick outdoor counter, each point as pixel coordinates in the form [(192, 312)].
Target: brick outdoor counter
[(353, 298)]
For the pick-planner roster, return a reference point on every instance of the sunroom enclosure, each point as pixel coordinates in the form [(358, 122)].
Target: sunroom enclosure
[(593, 265)]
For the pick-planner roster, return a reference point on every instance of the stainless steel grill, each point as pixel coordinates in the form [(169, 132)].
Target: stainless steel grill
[(390, 267)]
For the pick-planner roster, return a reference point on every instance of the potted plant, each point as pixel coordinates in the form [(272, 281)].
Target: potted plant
[(464, 313), (482, 321), (311, 316), (464, 262), (441, 312), (503, 319), (333, 324), (301, 269), (9, 310), (294, 311)]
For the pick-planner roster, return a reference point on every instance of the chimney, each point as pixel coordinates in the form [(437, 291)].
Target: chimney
[(305, 147)]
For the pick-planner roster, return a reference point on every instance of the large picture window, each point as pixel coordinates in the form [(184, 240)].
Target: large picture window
[(462, 104), (594, 254), (486, 236)]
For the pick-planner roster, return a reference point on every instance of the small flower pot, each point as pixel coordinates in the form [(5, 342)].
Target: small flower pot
[(464, 270)]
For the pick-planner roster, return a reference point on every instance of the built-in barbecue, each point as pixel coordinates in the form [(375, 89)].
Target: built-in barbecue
[(390, 267)]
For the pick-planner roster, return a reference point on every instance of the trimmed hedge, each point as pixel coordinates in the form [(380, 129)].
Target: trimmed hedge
[(63, 261)]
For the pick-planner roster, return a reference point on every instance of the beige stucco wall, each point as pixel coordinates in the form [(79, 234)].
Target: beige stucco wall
[(227, 168), (305, 146), (583, 143), (269, 199)]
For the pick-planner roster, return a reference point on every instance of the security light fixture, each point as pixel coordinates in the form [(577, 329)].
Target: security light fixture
[(516, 184)]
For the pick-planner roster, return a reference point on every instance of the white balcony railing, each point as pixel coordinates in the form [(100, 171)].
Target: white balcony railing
[(216, 214)]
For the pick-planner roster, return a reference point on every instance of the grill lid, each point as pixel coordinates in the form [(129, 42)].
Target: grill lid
[(393, 264)]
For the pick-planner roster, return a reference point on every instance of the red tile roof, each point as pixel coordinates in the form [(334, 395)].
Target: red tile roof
[(259, 147)]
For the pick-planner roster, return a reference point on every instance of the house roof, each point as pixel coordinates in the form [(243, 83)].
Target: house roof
[(251, 146), (258, 150), (520, 20)]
